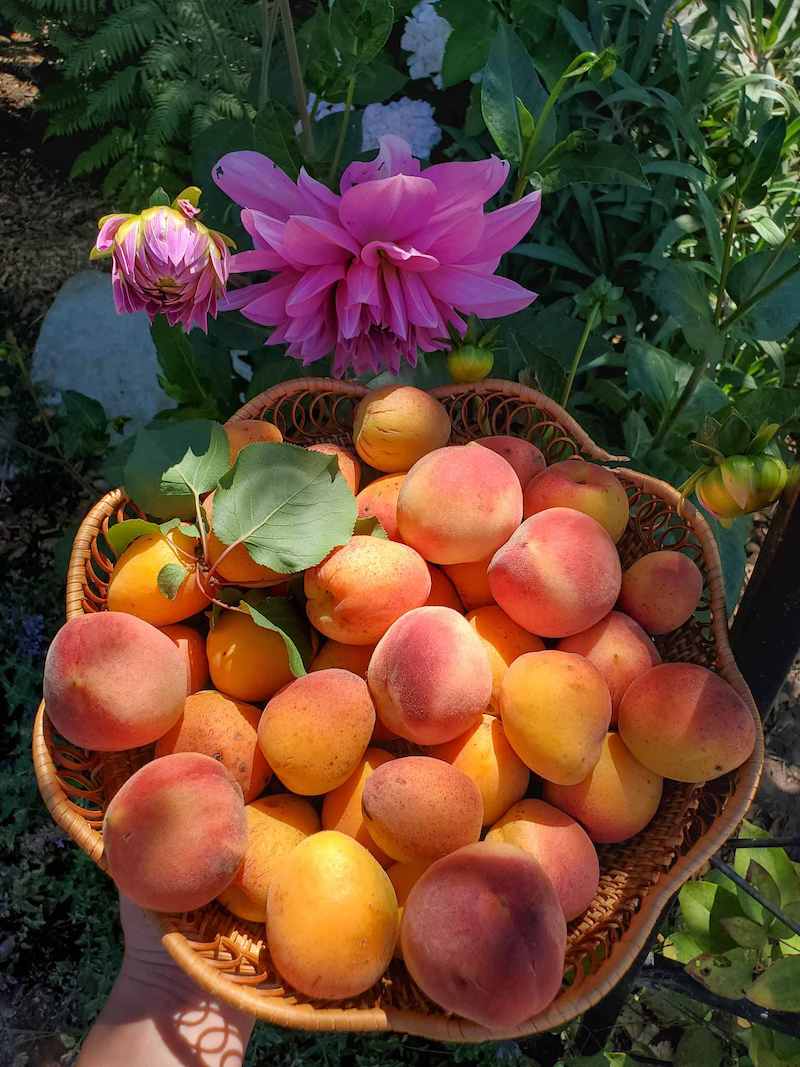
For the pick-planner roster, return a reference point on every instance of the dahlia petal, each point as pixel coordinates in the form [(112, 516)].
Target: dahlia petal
[(266, 231), (451, 234), (254, 181), (362, 284), (269, 307), (315, 242), (490, 297), (504, 228), (349, 316), (387, 209), (256, 259), (108, 227), (313, 284), (319, 200), (410, 259), (237, 298), (420, 308), (394, 157), (467, 183), (395, 305)]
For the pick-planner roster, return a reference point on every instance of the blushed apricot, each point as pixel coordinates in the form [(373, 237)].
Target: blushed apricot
[(134, 580), (396, 425), (341, 808), (661, 591), (504, 642), (526, 459), (472, 582), (245, 660), (378, 500), (443, 593), (193, 646), (349, 466), (246, 432), (586, 487)]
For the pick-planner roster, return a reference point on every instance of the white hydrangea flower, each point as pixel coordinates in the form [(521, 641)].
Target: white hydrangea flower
[(410, 119), (323, 107), (424, 38)]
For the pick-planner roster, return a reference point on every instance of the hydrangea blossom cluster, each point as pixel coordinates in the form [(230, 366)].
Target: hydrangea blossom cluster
[(410, 119), (425, 37), (380, 270)]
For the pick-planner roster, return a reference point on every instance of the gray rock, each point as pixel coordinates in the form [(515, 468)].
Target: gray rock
[(85, 345)]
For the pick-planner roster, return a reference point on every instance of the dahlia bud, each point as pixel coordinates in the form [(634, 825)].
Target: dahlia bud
[(469, 363), (165, 261), (740, 485)]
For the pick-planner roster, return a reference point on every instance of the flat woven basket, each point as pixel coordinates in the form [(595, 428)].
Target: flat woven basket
[(227, 956)]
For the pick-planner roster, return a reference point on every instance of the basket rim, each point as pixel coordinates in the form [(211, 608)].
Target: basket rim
[(441, 1026)]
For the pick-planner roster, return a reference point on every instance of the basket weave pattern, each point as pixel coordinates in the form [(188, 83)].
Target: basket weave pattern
[(228, 956)]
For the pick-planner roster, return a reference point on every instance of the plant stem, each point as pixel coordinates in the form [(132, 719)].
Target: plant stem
[(348, 107), (201, 526), (576, 359), (726, 258), (790, 236), (680, 404), (753, 300), (217, 45), (293, 56), (269, 11)]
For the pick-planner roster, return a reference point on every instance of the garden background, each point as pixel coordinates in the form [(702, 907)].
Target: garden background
[(664, 138)]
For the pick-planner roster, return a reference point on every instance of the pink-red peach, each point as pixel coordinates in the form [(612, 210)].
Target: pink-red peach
[(193, 646), (526, 459), (661, 591), (574, 483)]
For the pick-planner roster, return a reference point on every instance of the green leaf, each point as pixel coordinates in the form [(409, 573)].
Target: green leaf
[(280, 615), (682, 947), (744, 932), (732, 544), (121, 534), (761, 880), (377, 82), (698, 1045), (651, 372), (358, 29), (273, 131), (370, 526), (170, 579), (83, 425), (769, 404), (638, 437), (604, 1059), (527, 125), (774, 860), (778, 988), (727, 974), (286, 505), (703, 905), (182, 377), (681, 292), (768, 1048), (599, 163), (785, 933), (509, 74), (467, 46), (764, 160), (777, 314)]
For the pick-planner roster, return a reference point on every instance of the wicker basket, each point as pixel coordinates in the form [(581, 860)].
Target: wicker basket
[(228, 957)]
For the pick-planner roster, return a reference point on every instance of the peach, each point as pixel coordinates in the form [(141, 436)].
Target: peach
[(574, 483), (332, 917), (485, 756), (341, 808), (504, 642), (526, 459), (250, 432), (134, 581), (472, 582), (558, 574), (420, 808), (315, 732), (459, 504), (619, 648), (112, 681), (353, 658), (349, 466), (483, 935), (235, 564), (192, 644), (616, 800), (429, 676), (443, 592), (661, 591), (562, 847), (556, 710), (358, 591), (396, 425), (225, 729), (685, 722), (245, 660), (275, 825), (378, 500), (175, 834)]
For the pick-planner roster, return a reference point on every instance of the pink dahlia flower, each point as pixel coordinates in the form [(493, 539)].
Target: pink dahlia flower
[(378, 272), (165, 261)]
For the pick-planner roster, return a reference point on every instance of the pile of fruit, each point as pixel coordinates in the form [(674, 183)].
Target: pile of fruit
[(284, 666)]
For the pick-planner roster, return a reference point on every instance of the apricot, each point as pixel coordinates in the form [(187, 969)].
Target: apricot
[(332, 917), (619, 648), (556, 710), (314, 733), (192, 644), (459, 504), (504, 642), (443, 593), (404, 876), (235, 564), (661, 591), (420, 808), (249, 432), (275, 825), (429, 676), (396, 425), (483, 935), (134, 581), (574, 483), (225, 729), (245, 660), (685, 722), (561, 846), (558, 574), (378, 500), (358, 591), (349, 466), (472, 582), (526, 459), (175, 834), (616, 800), (485, 756), (113, 681), (353, 658), (341, 808)]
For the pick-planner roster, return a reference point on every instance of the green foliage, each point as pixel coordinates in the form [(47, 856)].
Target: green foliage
[(280, 615)]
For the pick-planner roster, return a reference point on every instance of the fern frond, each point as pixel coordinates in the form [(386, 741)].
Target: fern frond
[(120, 35), (103, 152), (113, 95)]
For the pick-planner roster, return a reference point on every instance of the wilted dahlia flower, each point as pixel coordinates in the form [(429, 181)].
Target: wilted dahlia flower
[(165, 261), (378, 272)]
